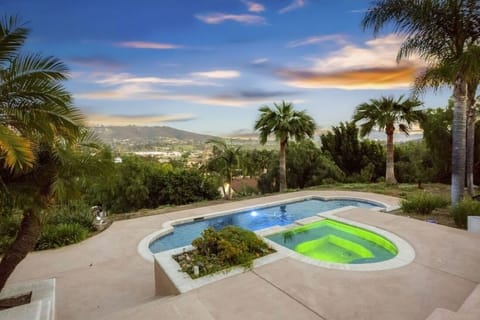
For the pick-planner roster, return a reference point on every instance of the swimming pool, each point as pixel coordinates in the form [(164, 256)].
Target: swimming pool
[(254, 219), (333, 241)]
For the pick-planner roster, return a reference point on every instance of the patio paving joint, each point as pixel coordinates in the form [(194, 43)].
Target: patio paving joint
[(289, 295)]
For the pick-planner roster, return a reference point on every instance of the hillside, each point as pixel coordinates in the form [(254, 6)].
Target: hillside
[(136, 134)]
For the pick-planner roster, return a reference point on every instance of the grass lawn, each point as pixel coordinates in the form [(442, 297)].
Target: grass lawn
[(441, 216)]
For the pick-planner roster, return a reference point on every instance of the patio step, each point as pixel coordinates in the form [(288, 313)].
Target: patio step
[(183, 307), (472, 303), (444, 314)]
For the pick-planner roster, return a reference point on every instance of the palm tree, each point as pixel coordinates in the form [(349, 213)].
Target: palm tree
[(386, 113), (442, 74), (285, 123), (439, 31), (225, 161), (36, 119)]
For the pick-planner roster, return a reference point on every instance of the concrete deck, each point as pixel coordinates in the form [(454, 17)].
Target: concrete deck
[(105, 278)]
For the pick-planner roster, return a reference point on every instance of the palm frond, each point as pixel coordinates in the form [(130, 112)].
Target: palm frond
[(16, 150), (12, 37)]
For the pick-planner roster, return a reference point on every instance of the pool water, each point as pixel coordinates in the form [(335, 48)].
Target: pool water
[(333, 241), (254, 219)]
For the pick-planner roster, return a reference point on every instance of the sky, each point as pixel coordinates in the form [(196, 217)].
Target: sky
[(208, 65)]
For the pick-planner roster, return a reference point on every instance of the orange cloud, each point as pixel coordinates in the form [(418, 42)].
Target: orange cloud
[(370, 78)]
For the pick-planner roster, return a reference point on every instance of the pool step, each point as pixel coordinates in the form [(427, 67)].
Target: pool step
[(472, 303)]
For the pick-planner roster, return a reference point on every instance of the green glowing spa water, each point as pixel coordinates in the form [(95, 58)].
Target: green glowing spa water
[(331, 241)]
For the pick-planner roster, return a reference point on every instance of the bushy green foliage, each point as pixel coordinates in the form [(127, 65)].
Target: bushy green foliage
[(218, 250), (55, 236), (462, 210), (255, 162), (138, 183), (307, 166), (74, 212), (353, 155), (179, 187), (437, 133), (413, 163), (423, 203)]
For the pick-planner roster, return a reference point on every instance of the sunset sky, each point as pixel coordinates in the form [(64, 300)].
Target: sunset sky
[(208, 65)]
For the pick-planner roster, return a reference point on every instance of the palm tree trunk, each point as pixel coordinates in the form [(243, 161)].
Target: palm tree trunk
[(458, 139), (230, 185), (390, 171), (25, 241), (470, 154), (283, 169)]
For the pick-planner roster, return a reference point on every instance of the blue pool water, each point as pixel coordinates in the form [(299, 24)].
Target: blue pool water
[(254, 219)]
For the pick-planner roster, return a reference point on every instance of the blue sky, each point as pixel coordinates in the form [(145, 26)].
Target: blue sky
[(208, 65)]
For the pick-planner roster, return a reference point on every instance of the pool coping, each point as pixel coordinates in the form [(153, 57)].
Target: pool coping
[(168, 274), (168, 226)]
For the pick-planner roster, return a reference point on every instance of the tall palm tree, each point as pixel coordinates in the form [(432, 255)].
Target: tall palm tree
[(442, 74), (36, 118), (386, 113), (439, 31), (225, 160), (284, 122)]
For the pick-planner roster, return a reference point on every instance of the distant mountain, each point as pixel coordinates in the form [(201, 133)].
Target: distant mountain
[(111, 134)]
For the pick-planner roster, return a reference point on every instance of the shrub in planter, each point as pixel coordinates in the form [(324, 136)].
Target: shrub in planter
[(55, 236), (423, 203), (462, 210), (219, 250)]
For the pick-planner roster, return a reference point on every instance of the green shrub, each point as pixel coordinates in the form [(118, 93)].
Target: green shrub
[(423, 203), (218, 250), (76, 213), (462, 210), (55, 236)]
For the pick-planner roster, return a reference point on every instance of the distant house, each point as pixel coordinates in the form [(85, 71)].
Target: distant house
[(117, 160)]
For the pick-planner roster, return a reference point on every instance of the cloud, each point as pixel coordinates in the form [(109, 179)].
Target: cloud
[(379, 52), (371, 66), (254, 6), (375, 78), (260, 61), (254, 94), (148, 45), (95, 119), (217, 18), (296, 4), (337, 38), (142, 92), (126, 78), (217, 74), (97, 62)]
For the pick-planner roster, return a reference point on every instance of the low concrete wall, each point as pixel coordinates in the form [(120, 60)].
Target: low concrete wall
[(164, 286), (41, 306)]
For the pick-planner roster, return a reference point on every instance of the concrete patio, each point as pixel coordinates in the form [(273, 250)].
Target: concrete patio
[(105, 278)]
